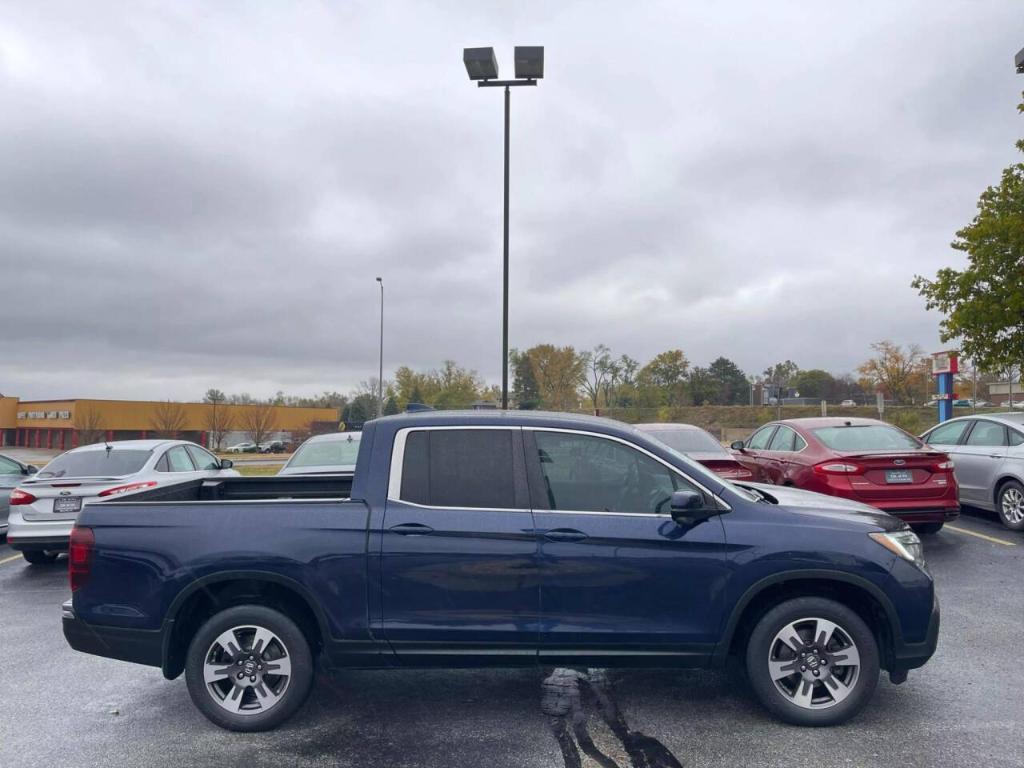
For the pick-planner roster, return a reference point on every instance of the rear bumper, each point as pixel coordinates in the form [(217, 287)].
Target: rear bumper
[(35, 543), (913, 655), (140, 646), (31, 534), (919, 514)]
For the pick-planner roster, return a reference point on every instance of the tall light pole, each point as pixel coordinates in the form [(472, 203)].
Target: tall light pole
[(482, 66), (380, 371)]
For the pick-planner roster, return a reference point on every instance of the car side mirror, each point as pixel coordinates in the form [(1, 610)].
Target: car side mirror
[(31, 469), (689, 508), (226, 463), (737, 445)]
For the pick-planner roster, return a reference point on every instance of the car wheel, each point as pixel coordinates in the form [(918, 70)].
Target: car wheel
[(39, 556), (927, 528), (249, 668), (1010, 505), (812, 661)]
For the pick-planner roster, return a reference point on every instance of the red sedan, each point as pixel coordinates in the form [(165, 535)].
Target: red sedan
[(862, 459), (700, 446)]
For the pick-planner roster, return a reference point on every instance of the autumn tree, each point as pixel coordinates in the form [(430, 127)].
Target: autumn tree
[(983, 303), (559, 372), (258, 421), (900, 373), (663, 380), (525, 392), (168, 419), (89, 424), (218, 418)]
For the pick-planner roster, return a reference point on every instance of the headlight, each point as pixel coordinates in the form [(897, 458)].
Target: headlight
[(903, 544)]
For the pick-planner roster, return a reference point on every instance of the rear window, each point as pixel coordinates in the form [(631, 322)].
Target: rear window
[(459, 468), (113, 463), (870, 437), (327, 453), (687, 440)]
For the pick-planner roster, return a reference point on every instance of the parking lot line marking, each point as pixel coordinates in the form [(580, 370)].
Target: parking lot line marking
[(993, 539), (9, 559)]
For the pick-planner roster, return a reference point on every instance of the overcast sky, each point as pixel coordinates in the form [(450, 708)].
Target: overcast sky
[(201, 194)]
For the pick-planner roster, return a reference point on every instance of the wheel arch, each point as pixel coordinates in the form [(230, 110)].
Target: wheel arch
[(215, 592), (857, 593), (998, 486)]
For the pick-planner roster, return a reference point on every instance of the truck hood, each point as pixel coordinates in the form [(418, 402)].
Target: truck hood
[(821, 505)]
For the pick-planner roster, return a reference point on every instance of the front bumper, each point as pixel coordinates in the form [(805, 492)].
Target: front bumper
[(140, 646), (913, 655)]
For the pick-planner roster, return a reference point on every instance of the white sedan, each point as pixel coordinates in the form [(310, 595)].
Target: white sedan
[(43, 508), (330, 454)]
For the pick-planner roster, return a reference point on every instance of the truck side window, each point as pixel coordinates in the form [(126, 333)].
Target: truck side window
[(583, 473), (459, 468)]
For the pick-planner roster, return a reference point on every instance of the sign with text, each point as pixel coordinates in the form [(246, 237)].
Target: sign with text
[(945, 362)]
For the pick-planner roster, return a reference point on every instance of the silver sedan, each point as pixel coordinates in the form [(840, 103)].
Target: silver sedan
[(988, 459), (12, 473)]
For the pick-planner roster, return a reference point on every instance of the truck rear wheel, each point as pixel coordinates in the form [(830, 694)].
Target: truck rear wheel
[(812, 661), (249, 668)]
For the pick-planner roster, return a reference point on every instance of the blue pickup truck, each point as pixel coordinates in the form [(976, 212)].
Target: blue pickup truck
[(470, 539)]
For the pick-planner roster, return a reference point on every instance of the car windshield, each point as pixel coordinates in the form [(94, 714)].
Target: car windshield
[(327, 453), (115, 462), (868, 437), (688, 440)]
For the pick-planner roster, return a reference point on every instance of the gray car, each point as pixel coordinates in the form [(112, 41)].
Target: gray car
[(988, 459), (12, 473)]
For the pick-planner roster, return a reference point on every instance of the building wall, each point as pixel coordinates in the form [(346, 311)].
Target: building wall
[(8, 419)]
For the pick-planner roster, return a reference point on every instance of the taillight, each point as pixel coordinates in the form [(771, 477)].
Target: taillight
[(126, 488), (944, 466), (19, 496), (735, 474), (836, 468), (80, 549)]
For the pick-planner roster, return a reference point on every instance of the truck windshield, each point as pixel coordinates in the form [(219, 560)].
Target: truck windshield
[(116, 462), (870, 437), (327, 453)]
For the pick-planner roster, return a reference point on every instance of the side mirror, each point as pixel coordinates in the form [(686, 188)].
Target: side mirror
[(689, 508), (737, 445), (31, 469), (226, 463)]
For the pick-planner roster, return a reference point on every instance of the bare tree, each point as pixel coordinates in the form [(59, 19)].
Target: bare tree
[(600, 369), (89, 424), (168, 419), (258, 421), (219, 420)]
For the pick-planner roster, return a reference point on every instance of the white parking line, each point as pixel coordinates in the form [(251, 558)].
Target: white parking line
[(10, 559), (993, 539)]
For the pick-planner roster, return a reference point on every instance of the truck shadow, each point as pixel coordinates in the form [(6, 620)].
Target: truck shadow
[(565, 694)]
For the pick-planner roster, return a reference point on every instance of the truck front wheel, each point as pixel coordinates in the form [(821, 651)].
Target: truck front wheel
[(249, 668), (812, 661)]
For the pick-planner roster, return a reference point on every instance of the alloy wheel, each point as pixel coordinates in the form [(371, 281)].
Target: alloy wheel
[(814, 663), (1012, 505), (247, 670)]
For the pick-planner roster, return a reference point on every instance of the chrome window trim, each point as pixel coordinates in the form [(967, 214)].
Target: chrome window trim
[(398, 459), (635, 447)]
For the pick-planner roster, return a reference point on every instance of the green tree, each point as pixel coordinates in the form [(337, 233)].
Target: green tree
[(983, 303), (525, 392), (361, 409), (731, 383), (703, 389), (816, 383), (391, 406), (559, 372), (663, 380)]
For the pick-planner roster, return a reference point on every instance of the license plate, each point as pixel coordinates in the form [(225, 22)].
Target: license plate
[(899, 476), (65, 504)]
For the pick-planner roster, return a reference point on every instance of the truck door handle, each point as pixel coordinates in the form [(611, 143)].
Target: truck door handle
[(564, 534), (411, 529)]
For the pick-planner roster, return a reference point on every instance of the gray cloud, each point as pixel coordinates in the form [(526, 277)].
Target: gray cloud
[(201, 195)]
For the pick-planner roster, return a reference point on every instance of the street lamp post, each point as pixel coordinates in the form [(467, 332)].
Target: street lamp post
[(380, 371), (482, 66)]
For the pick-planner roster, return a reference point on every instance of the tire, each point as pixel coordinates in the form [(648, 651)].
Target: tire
[(927, 528), (252, 641), (39, 556), (1010, 505), (801, 698)]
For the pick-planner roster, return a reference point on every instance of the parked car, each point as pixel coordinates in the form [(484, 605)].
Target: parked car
[(1014, 404), (699, 445), (847, 404), (863, 459), (12, 474), (273, 446), (988, 459), (247, 447), (512, 538), (44, 506), (325, 454)]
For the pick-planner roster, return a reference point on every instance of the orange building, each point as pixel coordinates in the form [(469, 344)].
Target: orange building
[(64, 424)]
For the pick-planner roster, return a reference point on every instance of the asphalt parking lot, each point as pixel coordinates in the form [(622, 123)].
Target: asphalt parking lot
[(964, 708)]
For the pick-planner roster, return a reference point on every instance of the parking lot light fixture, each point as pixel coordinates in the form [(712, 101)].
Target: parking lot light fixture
[(482, 66), (1019, 61), (380, 370)]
